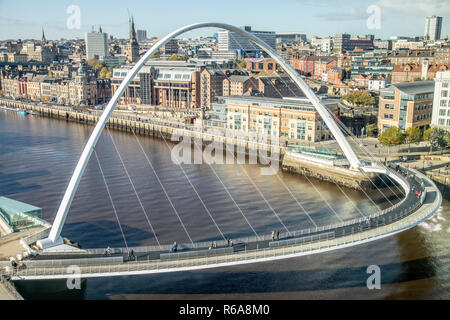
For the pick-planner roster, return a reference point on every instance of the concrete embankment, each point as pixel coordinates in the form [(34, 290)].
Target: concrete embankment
[(339, 175)]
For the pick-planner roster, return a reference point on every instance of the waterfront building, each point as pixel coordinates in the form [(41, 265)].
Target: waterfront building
[(433, 27), (405, 105), (96, 44), (170, 87), (441, 101), (211, 85), (277, 117)]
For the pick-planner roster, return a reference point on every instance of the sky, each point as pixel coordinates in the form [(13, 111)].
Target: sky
[(384, 18)]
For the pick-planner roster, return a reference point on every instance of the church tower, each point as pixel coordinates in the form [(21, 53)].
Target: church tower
[(133, 47), (43, 40)]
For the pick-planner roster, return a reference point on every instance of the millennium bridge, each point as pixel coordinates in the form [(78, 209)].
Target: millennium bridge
[(53, 260)]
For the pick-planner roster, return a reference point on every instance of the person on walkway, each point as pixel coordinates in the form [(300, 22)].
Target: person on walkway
[(174, 247), (214, 244), (273, 235), (228, 242), (278, 234)]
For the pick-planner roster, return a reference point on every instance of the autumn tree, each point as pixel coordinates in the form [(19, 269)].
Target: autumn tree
[(392, 136), (359, 98), (413, 135)]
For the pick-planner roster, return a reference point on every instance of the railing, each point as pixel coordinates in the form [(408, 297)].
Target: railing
[(267, 237), (396, 223), (10, 288)]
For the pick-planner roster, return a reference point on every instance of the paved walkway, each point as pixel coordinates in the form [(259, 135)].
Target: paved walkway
[(10, 244)]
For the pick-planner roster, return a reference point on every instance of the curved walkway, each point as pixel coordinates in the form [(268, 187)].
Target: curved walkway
[(412, 211)]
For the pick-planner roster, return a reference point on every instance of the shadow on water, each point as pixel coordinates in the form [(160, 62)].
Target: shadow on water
[(109, 231), (16, 142), (239, 282), (9, 183)]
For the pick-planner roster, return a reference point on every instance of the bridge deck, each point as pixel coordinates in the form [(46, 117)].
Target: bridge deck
[(346, 236)]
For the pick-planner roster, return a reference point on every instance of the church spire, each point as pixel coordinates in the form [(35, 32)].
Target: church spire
[(133, 47), (43, 36), (100, 29)]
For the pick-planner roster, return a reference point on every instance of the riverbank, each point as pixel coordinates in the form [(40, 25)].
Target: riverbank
[(160, 128)]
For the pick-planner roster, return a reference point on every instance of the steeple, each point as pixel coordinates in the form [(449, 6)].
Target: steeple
[(43, 36), (100, 29), (133, 47), (132, 31)]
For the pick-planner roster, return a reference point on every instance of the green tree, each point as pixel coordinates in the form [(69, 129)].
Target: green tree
[(413, 135), (437, 138), (371, 130), (392, 136), (177, 57), (359, 98)]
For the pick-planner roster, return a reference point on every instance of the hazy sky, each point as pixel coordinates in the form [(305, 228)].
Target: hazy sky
[(24, 19)]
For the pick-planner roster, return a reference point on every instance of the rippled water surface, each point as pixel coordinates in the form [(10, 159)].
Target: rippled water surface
[(37, 158)]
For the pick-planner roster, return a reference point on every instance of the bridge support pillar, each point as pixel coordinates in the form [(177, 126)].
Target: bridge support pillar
[(48, 243)]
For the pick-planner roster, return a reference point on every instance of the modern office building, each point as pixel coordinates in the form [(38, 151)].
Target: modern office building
[(230, 41), (141, 35), (441, 102), (170, 47), (341, 42), (96, 44), (405, 105), (433, 27)]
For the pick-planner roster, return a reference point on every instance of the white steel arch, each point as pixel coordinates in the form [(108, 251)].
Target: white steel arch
[(54, 237)]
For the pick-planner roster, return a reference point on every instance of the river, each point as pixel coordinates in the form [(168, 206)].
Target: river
[(38, 156)]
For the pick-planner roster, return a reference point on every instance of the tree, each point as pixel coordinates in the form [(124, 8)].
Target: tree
[(413, 135), (371, 130), (359, 98), (392, 136), (436, 137), (177, 57), (447, 138), (103, 72)]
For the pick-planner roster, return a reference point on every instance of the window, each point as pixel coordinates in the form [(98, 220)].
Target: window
[(444, 93), (442, 112), (389, 106), (443, 103)]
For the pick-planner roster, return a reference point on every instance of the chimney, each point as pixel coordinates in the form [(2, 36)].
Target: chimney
[(424, 69)]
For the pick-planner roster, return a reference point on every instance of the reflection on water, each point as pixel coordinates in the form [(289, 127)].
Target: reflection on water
[(37, 157)]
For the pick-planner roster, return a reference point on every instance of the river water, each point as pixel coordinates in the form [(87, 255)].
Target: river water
[(38, 156)]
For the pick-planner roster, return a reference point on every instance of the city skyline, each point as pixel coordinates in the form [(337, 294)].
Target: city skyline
[(325, 18)]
